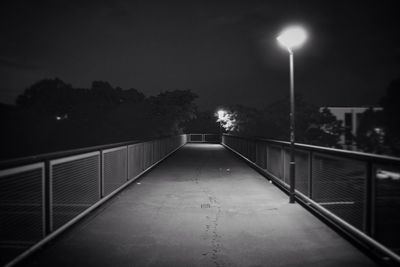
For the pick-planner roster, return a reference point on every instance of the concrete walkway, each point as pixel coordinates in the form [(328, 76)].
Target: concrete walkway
[(201, 207)]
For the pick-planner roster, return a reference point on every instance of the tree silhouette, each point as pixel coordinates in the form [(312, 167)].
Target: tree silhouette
[(371, 132), (51, 115), (391, 111), (324, 129), (312, 126)]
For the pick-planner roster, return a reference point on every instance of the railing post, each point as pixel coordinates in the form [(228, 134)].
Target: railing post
[(101, 176), (48, 224), (310, 174), (369, 206), (127, 163)]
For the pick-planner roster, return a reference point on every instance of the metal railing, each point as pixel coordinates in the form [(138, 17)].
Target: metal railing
[(358, 192), (43, 195), (203, 138)]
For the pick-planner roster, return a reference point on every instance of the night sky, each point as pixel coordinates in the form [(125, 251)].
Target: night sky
[(225, 51)]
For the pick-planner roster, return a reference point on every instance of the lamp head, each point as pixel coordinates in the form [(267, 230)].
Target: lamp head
[(292, 37)]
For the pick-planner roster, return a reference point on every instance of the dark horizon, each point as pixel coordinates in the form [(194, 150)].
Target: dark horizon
[(225, 53)]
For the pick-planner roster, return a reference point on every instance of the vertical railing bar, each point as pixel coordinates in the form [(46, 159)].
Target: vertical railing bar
[(127, 163), (99, 172), (256, 153), (267, 151), (373, 202), (48, 195), (369, 201), (44, 201), (283, 163), (310, 173), (102, 173)]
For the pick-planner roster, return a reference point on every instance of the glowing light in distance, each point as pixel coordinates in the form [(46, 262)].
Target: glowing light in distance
[(221, 114), (293, 36)]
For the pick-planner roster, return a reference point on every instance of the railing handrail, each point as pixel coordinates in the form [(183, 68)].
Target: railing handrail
[(14, 162), (256, 151), (205, 133), (96, 169), (340, 152)]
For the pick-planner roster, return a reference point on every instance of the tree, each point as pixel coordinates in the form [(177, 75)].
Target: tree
[(205, 122), (51, 115), (51, 97), (228, 120), (371, 132), (324, 129), (171, 109), (312, 126), (391, 112)]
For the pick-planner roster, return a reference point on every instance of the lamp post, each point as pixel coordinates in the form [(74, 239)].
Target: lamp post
[(290, 38)]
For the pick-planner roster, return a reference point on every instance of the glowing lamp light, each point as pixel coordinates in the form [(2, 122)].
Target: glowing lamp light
[(292, 37), (221, 114)]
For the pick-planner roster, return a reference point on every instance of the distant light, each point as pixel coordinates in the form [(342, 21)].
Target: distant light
[(63, 117), (293, 36), (221, 114)]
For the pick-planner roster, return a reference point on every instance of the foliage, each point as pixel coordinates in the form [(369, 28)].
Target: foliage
[(391, 118), (204, 122), (324, 129), (172, 109), (371, 132), (51, 115), (227, 119), (312, 126)]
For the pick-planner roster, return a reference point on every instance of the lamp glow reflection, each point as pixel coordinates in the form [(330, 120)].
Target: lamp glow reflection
[(290, 38)]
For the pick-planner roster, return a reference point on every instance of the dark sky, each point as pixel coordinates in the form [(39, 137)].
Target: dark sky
[(225, 51)]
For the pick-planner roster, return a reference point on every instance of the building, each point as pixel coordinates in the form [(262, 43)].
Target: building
[(350, 117)]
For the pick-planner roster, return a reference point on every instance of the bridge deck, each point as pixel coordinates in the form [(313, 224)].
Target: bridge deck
[(201, 207)]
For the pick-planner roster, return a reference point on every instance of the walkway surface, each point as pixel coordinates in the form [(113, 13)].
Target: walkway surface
[(201, 207)]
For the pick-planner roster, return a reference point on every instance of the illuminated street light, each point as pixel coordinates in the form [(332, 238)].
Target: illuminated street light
[(290, 38), (221, 114)]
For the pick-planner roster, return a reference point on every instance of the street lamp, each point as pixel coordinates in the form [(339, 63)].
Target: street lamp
[(221, 114), (290, 38)]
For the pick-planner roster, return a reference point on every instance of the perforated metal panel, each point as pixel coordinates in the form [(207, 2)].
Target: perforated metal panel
[(339, 186), (75, 186), (387, 205), (251, 150), (147, 154), (22, 205), (302, 170), (275, 161), (156, 151), (211, 138), (195, 138), (134, 160), (261, 152), (114, 168)]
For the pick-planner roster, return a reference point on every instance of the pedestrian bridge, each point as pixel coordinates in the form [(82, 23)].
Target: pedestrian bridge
[(201, 205)]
